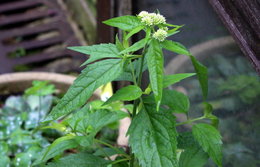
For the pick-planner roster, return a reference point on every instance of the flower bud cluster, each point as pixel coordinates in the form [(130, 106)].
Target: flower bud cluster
[(151, 19), (160, 35)]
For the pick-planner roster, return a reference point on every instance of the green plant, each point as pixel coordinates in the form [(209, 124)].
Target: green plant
[(20, 141), (153, 138)]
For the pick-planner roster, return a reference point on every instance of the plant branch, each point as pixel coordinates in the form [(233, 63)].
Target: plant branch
[(136, 102), (102, 149), (190, 121), (120, 160), (133, 73), (114, 148)]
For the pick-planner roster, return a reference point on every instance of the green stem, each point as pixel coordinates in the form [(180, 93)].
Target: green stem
[(40, 105), (102, 149), (136, 102), (190, 121), (133, 73), (112, 147), (120, 160)]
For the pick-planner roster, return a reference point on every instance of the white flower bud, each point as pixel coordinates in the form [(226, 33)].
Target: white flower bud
[(160, 35), (143, 14), (151, 19), (147, 20)]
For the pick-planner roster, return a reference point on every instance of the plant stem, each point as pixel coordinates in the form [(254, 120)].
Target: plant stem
[(136, 102), (120, 160), (133, 73), (102, 149), (40, 105), (190, 121), (114, 148)]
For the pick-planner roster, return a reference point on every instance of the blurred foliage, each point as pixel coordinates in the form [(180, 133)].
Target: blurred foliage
[(234, 93), (20, 140)]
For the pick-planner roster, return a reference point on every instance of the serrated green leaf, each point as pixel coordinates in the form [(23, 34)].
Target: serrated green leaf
[(175, 47), (57, 147), (176, 101), (209, 139), (134, 31), (194, 157), (200, 69), (92, 77), (136, 46), (127, 74), (155, 62), (192, 154), (127, 93), (202, 74), (97, 52), (126, 23), (87, 122), (174, 78), (80, 160), (153, 138)]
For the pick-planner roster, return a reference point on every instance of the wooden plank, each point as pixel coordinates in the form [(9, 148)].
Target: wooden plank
[(40, 57), (18, 5), (104, 11), (34, 44), (24, 31), (17, 18), (239, 22)]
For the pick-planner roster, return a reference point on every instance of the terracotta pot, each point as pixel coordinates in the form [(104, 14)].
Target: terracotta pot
[(18, 82)]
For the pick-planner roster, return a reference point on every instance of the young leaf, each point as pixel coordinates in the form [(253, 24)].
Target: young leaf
[(127, 93), (97, 52), (134, 31), (92, 77), (202, 74), (176, 101), (155, 64), (174, 78), (152, 137), (79, 160), (173, 31), (210, 140), (56, 148), (40, 88), (175, 47), (126, 23), (119, 45), (200, 69), (136, 46)]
